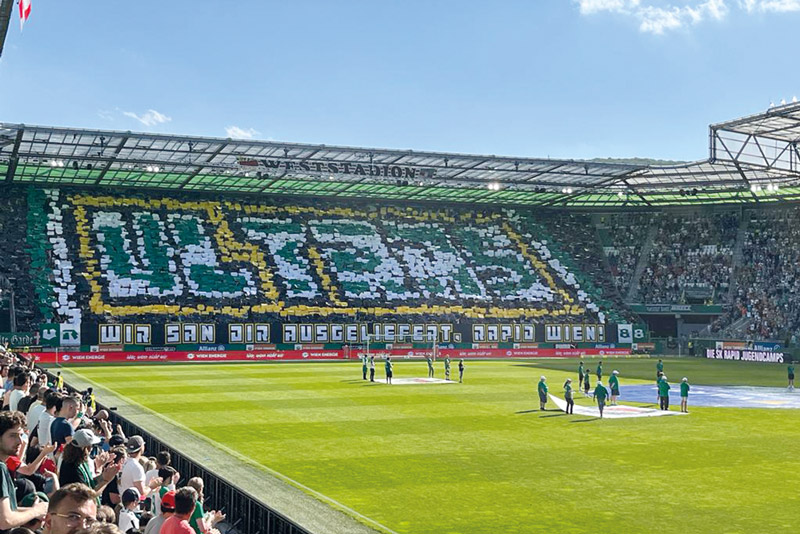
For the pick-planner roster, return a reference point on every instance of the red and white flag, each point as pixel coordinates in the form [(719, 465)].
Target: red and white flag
[(24, 12)]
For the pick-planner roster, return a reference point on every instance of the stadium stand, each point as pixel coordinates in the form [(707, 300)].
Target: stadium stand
[(623, 236), (183, 258), (691, 258), (767, 283)]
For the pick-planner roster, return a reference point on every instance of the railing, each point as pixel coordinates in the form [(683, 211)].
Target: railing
[(245, 513)]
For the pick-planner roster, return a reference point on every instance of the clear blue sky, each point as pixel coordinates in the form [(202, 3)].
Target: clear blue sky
[(557, 78)]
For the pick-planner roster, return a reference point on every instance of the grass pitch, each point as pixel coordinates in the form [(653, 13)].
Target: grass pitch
[(477, 458)]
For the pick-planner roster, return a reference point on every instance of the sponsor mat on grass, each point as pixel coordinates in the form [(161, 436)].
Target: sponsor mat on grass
[(612, 412)]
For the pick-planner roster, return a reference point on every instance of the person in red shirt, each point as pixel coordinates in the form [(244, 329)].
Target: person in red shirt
[(185, 500)]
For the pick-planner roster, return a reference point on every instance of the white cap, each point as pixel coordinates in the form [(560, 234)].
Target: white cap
[(615, 372), (543, 378), (684, 379)]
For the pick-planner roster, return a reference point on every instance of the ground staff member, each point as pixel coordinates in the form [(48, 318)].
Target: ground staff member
[(600, 395), (388, 366), (790, 370), (599, 370), (613, 383), (568, 395), (685, 395), (663, 392), (542, 393)]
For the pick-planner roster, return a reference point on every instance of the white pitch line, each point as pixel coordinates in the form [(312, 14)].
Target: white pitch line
[(243, 458)]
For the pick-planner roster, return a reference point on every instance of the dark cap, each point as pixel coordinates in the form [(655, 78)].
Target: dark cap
[(134, 443)]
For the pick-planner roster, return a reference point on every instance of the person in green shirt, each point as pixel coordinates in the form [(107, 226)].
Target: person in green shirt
[(663, 392), (542, 393), (600, 395), (659, 375), (388, 366), (568, 395), (685, 395), (659, 368), (447, 368), (198, 520), (580, 374), (461, 370), (613, 383), (599, 370), (586, 384), (364, 366), (790, 370), (430, 367)]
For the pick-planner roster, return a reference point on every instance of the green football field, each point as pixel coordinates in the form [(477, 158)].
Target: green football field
[(478, 458)]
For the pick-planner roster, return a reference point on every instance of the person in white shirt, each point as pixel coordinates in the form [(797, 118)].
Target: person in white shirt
[(47, 417), (132, 475), (21, 385), (36, 410)]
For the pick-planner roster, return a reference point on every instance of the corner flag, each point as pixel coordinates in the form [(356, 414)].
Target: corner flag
[(24, 12)]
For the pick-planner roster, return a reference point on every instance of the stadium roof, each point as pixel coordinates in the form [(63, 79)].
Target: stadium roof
[(753, 159)]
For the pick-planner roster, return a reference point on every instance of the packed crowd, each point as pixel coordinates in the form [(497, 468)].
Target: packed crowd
[(65, 470), (691, 258), (624, 233), (768, 283), (15, 263)]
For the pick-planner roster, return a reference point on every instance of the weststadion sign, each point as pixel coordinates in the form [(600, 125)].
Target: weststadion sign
[(339, 167)]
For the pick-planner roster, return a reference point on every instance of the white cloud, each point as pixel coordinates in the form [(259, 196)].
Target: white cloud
[(659, 19), (775, 6), (234, 132), (589, 7), (149, 118), (105, 115)]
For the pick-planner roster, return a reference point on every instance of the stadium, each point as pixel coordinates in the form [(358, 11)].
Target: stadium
[(340, 339)]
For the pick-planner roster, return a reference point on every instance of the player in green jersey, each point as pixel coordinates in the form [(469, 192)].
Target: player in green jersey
[(790, 371), (599, 370), (580, 374), (461, 370), (364, 366), (430, 367), (447, 368)]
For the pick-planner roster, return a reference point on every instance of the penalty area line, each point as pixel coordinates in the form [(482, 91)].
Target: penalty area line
[(241, 457)]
